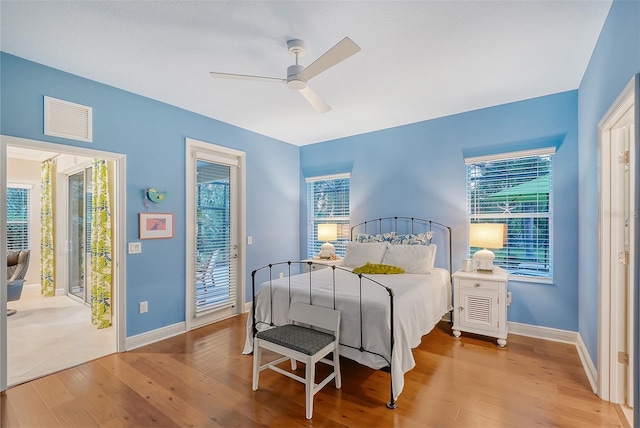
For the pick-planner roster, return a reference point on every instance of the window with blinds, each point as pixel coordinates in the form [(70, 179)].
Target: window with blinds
[(515, 189), (327, 202), (18, 218), (214, 269)]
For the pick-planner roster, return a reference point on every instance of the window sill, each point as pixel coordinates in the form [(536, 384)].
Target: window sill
[(533, 279)]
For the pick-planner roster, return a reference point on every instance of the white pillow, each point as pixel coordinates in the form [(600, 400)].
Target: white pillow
[(411, 258), (359, 254)]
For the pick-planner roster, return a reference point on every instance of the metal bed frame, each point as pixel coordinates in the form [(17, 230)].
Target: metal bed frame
[(379, 225)]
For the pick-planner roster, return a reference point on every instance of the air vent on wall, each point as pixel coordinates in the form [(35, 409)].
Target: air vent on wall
[(67, 120)]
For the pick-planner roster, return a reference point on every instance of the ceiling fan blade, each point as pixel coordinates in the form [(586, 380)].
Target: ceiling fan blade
[(246, 77), (315, 100), (341, 51)]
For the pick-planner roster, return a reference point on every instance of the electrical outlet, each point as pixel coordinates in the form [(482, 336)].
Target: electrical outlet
[(249, 240), (135, 247), (144, 307), (281, 275)]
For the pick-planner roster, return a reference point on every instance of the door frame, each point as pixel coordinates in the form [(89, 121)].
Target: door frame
[(610, 383), (119, 238), (214, 150)]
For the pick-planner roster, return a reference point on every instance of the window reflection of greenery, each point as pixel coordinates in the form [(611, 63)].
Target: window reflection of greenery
[(17, 218), (213, 198), (330, 205), (492, 198)]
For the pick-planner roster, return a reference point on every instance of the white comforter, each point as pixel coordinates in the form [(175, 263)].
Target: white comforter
[(420, 301)]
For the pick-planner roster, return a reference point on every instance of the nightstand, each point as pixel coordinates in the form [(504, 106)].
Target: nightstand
[(319, 264), (480, 304)]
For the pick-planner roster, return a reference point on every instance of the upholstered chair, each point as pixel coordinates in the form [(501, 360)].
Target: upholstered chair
[(17, 264)]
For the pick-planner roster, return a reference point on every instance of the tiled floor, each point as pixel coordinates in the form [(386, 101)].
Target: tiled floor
[(51, 334)]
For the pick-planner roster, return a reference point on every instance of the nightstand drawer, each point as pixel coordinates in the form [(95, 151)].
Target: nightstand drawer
[(479, 284), (319, 264)]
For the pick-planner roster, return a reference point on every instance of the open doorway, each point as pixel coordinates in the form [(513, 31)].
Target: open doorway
[(51, 333)]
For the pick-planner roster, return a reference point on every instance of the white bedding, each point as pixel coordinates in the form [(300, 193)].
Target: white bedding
[(420, 302)]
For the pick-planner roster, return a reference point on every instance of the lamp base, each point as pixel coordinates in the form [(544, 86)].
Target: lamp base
[(327, 250), (483, 261)]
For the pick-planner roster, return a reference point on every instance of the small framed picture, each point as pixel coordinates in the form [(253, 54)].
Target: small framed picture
[(156, 225)]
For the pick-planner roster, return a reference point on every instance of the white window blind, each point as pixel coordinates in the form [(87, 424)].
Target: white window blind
[(327, 202), (515, 189), (18, 217), (215, 274)]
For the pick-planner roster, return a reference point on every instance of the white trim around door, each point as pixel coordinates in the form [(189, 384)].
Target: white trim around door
[(119, 239), (236, 161), (617, 235)]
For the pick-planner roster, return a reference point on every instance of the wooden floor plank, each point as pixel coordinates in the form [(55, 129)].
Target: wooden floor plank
[(29, 409), (202, 379), (163, 398)]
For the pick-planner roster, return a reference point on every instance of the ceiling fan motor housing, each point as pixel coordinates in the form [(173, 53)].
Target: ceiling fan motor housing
[(297, 47), (294, 77)]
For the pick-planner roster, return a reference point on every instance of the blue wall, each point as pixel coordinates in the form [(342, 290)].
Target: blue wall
[(152, 135), (615, 59), (418, 170)]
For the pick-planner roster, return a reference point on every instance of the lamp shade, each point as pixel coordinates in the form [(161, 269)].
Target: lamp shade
[(486, 235), (327, 232)]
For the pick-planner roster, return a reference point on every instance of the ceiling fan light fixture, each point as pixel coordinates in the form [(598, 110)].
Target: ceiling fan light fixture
[(294, 78)]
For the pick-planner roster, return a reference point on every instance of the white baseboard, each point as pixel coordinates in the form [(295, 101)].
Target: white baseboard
[(587, 364), (546, 333), (139, 340), (247, 306), (563, 336)]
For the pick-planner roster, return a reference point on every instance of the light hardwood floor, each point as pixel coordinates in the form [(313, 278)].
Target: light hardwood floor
[(201, 379)]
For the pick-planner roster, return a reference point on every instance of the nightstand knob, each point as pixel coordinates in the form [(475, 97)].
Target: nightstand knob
[(477, 284)]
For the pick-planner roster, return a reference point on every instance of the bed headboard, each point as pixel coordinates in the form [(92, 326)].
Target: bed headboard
[(401, 225)]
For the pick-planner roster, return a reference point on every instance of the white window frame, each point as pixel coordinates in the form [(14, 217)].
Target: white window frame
[(28, 188), (312, 221), (501, 217)]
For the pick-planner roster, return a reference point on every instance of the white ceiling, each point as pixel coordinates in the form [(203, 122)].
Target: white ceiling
[(15, 152), (419, 60)]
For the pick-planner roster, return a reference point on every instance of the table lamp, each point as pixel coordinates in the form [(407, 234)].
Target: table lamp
[(327, 232), (485, 235)]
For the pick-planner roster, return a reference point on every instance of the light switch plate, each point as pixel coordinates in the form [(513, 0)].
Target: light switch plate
[(135, 247)]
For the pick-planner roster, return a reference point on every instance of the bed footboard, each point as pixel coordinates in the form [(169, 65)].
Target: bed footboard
[(325, 297)]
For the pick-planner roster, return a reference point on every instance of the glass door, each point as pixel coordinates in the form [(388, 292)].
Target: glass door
[(79, 233), (216, 255), (215, 231)]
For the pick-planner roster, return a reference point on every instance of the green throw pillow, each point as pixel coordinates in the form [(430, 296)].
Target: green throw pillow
[(373, 268)]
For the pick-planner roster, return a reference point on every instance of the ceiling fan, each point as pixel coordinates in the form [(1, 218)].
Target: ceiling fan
[(298, 75)]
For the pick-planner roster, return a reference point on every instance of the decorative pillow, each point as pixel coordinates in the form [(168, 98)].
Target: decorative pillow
[(358, 253), (367, 237), (380, 237), (411, 258), (411, 239), (378, 269)]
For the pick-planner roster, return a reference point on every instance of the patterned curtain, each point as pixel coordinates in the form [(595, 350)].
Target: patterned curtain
[(101, 269), (47, 284)]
